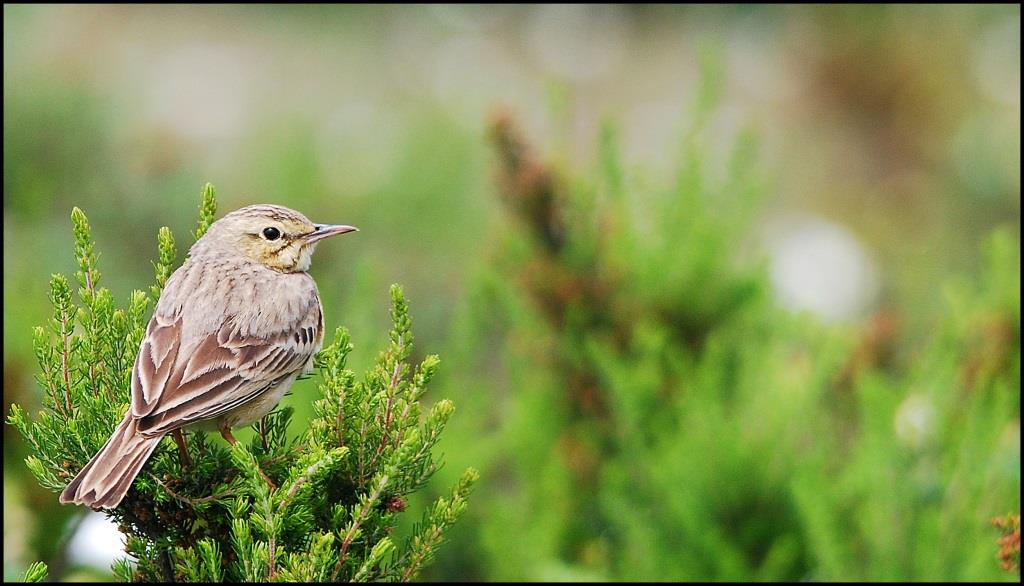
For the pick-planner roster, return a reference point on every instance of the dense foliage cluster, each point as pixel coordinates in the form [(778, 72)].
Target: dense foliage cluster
[(340, 484), (663, 419)]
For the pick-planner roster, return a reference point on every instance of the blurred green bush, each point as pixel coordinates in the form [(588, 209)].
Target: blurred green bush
[(644, 412)]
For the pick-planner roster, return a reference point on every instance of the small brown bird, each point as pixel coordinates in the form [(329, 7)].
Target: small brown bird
[(234, 327)]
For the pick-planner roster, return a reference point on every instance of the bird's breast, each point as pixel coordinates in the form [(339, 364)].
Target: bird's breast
[(257, 300)]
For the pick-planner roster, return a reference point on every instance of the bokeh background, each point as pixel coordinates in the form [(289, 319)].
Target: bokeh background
[(887, 152)]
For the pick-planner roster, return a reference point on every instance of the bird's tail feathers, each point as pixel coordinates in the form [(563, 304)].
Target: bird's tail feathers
[(105, 480)]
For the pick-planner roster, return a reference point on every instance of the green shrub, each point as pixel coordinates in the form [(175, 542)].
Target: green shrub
[(343, 481), (645, 412)]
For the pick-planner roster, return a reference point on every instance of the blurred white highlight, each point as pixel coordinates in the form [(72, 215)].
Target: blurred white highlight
[(820, 267), (96, 542), (914, 421)]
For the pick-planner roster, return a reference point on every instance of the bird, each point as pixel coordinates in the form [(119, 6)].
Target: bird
[(233, 328)]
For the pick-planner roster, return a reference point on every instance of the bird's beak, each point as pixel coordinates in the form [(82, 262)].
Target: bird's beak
[(322, 231)]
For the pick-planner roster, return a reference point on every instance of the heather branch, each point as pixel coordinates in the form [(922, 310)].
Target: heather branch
[(354, 526), (177, 530)]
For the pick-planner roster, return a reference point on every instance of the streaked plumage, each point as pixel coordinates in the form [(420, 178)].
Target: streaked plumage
[(234, 326)]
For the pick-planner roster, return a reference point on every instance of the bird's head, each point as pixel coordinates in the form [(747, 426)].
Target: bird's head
[(274, 236)]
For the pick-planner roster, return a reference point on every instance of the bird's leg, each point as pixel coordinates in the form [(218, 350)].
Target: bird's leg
[(225, 431), (179, 438)]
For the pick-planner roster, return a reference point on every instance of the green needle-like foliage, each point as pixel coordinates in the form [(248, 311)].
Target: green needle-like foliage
[(341, 483), (661, 418), (36, 572)]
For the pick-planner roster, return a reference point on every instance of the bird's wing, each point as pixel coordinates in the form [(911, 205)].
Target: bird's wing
[(172, 387)]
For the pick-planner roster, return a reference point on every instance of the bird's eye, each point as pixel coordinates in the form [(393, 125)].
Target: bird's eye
[(271, 233)]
